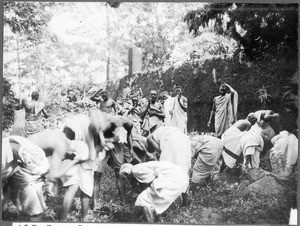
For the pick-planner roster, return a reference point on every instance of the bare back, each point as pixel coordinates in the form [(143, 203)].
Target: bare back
[(52, 142), (243, 125)]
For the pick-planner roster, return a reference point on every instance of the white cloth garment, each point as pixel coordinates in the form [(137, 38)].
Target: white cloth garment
[(174, 145), (167, 180), (179, 117)]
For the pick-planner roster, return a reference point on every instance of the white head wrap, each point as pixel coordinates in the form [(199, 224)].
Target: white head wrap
[(126, 168)]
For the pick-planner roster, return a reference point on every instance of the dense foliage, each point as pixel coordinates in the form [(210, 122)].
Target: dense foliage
[(29, 18), (9, 103), (261, 28)]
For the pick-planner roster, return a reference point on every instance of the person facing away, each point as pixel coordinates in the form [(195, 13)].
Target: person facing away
[(153, 115), (106, 104), (179, 110), (224, 109), (34, 111)]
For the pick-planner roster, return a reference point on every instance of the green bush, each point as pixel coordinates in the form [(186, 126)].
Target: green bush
[(9, 102)]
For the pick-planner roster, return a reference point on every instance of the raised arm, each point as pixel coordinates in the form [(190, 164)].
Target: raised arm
[(230, 88), (184, 104), (95, 96)]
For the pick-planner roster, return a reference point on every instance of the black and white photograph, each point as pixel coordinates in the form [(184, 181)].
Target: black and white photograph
[(149, 112)]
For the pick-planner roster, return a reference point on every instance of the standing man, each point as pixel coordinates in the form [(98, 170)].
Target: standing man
[(179, 110), (107, 105), (168, 105), (34, 111), (134, 114), (225, 109), (153, 115)]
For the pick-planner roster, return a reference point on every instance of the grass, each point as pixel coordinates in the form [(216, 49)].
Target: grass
[(223, 201)]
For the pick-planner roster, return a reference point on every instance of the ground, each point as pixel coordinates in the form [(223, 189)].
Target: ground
[(222, 201)]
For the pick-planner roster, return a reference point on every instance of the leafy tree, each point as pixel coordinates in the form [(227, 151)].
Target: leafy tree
[(9, 103), (259, 28), (29, 18)]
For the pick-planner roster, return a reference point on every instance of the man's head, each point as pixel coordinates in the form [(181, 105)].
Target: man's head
[(178, 90), (134, 100), (35, 95), (223, 89), (104, 95), (251, 118), (164, 95), (153, 95)]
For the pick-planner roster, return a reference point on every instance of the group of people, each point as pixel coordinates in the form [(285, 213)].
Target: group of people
[(147, 146)]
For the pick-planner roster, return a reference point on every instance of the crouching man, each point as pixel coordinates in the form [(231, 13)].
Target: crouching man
[(24, 166), (167, 182), (207, 151)]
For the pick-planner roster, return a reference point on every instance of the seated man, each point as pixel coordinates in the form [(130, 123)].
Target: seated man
[(207, 151), (59, 147), (167, 181), (284, 154), (24, 166)]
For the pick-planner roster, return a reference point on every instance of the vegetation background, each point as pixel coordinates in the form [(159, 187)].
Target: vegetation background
[(68, 50)]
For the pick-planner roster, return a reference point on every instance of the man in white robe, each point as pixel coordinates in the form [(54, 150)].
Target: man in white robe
[(167, 181), (179, 110), (24, 165), (172, 145), (284, 153), (168, 103)]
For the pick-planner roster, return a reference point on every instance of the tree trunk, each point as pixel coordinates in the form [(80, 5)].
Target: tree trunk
[(19, 68)]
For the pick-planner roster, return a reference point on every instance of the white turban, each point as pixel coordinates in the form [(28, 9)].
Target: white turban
[(126, 168)]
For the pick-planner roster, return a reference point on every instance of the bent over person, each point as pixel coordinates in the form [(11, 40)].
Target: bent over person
[(113, 127), (224, 109), (167, 181), (66, 161), (207, 151), (24, 166)]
